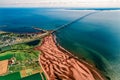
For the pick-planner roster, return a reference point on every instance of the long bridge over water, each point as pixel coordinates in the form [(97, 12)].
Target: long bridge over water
[(65, 25), (72, 22)]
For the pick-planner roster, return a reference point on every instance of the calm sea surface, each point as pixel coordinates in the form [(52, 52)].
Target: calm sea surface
[(95, 37)]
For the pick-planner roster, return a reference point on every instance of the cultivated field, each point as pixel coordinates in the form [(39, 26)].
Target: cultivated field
[(3, 66)]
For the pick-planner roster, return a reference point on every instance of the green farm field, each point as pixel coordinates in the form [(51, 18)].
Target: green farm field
[(26, 65)]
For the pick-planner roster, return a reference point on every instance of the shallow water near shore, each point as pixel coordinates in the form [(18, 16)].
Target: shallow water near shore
[(96, 37)]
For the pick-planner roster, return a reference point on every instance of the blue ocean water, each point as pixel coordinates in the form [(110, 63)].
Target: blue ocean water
[(95, 37)]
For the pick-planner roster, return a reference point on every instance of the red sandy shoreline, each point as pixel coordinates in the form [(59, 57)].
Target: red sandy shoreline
[(58, 63)]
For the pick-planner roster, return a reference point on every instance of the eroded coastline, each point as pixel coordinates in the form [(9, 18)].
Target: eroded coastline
[(57, 63)]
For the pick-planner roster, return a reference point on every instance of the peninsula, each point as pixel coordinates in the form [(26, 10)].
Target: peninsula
[(59, 64)]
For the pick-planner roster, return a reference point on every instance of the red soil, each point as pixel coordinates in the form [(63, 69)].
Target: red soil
[(3, 66), (59, 64)]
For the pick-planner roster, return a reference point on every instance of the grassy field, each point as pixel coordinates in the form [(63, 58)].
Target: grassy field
[(25, 62), (13, 76), (20, 55), (6, 55), (37, 76), (21, 46), (24, 59)]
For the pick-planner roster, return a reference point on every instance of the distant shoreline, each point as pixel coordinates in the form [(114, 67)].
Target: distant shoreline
[(63, 8)]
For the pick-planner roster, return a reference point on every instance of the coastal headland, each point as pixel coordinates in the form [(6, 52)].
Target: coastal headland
[(59, 64)]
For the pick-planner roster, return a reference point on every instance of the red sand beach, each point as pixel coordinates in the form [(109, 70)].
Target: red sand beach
[(59, 64)]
